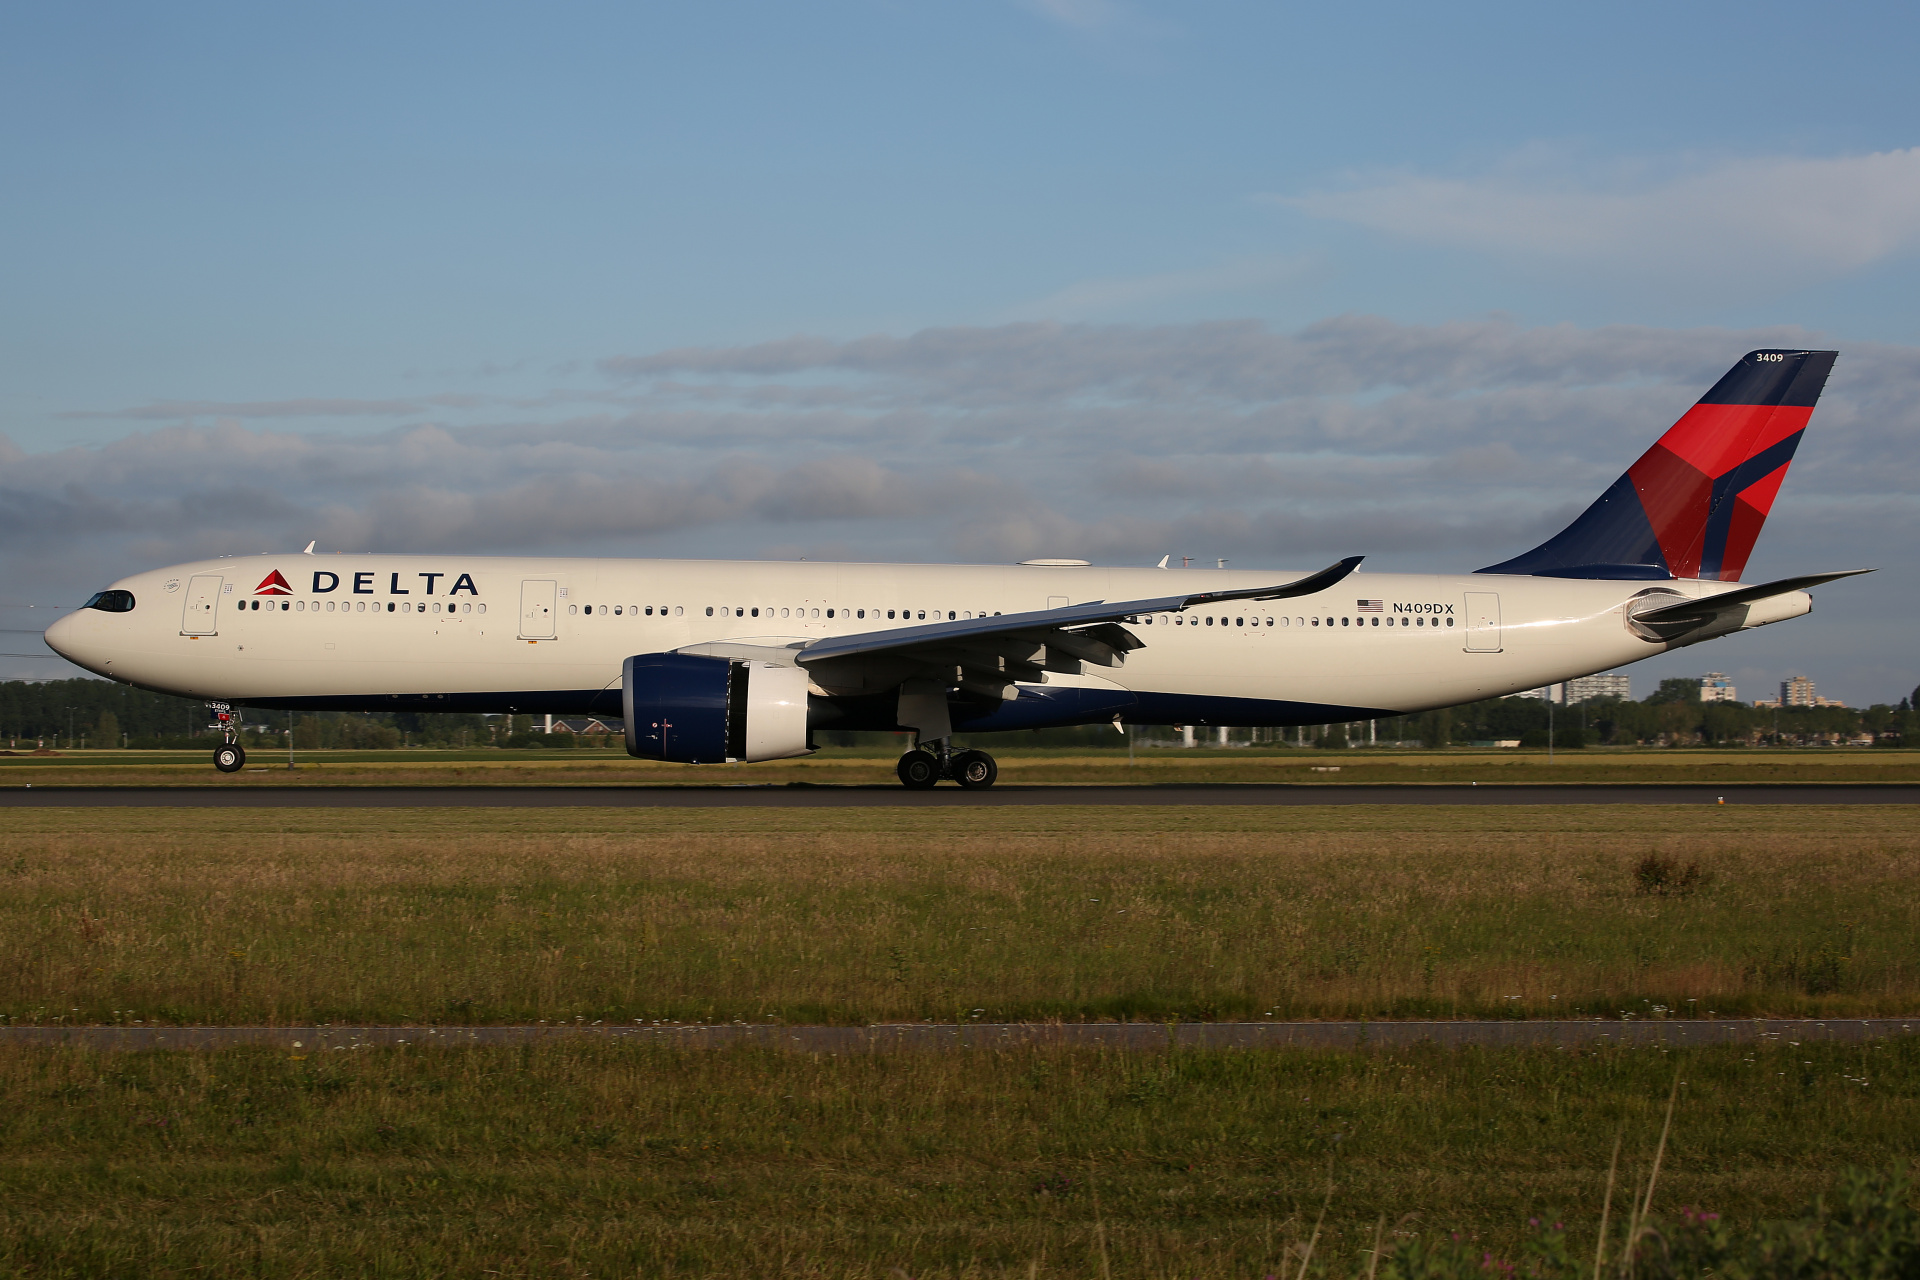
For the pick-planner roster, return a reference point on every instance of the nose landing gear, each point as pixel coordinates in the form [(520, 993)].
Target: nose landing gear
[(924, 767), (228, 757)]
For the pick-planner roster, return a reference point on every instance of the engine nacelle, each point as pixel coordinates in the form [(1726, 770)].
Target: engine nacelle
[(700, 710)]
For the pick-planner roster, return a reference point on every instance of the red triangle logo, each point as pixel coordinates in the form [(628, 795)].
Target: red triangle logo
[(273, 585)]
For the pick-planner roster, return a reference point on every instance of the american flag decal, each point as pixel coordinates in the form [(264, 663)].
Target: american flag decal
[(1373, 606)]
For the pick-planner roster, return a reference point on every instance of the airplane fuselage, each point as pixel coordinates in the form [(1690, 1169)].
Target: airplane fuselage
[(535, 634)]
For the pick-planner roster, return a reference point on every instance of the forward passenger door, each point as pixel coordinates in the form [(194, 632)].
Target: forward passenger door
[(200, 613)]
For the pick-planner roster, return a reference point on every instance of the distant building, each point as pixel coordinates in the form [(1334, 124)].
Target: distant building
[(1797, 691), (588, 724), (1613, 684), (1715, 687)]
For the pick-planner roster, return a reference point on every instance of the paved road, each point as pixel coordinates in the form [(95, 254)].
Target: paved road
[(776, 796), (891, 1038)]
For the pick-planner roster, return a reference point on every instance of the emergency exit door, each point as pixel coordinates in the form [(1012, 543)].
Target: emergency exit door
[(200, 616), (539, 598)]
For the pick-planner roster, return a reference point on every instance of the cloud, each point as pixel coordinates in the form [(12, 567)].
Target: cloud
[(1764, 218), (1426, 446)]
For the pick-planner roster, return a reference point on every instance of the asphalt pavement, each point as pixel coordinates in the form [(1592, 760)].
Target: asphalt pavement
[(806, 796)]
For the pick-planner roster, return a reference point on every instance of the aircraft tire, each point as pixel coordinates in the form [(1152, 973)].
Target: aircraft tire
[(917, 771), (228, 757), (975, 770)]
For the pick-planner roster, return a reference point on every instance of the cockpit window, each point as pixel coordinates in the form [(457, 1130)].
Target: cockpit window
[(111, 601)]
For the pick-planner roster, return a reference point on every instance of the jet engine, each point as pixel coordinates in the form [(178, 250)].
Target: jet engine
[(695, 709)]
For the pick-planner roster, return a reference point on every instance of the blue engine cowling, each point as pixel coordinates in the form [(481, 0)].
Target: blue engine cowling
[(695, 709)]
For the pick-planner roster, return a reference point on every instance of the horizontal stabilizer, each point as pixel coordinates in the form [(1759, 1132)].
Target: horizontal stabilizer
[(1707, 606)]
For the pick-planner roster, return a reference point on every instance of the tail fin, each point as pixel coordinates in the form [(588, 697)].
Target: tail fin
[(1692, 506)]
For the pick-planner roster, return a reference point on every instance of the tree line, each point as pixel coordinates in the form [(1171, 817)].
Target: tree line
[(98, 713)]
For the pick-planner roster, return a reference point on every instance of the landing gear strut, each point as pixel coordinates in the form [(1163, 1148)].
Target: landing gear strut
[(923, 767), (228, 757)]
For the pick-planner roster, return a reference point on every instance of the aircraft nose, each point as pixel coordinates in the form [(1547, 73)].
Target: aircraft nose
[(69, 637), (61, 636)]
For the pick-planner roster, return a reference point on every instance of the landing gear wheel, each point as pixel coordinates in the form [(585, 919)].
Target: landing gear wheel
[(918, 771), (975, 770), (229, 758)]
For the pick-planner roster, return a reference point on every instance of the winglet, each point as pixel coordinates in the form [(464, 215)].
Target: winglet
[(1306, 586), (310, 546)]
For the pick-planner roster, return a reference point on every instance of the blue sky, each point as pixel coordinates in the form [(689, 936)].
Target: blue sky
[(247, 244)]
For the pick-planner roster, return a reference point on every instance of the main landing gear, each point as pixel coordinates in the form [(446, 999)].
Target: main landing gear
[(923, 767), (228, 757)]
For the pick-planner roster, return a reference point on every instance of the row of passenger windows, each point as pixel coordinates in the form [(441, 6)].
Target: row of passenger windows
[(1182, 620), (355, 606), (746, 611), (922, 615)]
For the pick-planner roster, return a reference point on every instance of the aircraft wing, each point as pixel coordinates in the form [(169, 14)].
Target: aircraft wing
[(987, 655)]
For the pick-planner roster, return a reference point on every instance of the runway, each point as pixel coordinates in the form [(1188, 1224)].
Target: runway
[(803, 796), (904, 1037)]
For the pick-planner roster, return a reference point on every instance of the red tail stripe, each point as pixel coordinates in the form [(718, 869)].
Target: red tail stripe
[(1716, 438)]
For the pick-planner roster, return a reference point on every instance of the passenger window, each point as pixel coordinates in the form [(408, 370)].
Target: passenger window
[(709, 611), (1239, 622), (573, 608)]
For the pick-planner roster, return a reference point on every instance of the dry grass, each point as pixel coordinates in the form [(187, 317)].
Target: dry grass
[(854, 916), (598, 1159), (1019, 766)]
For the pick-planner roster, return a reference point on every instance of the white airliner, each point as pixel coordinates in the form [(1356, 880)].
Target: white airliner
[(739, 661)]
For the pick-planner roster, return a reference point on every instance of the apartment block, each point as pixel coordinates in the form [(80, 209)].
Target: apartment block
[(1612, 684)]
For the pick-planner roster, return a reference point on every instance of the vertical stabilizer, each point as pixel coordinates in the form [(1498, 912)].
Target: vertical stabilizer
[(1692, 506)]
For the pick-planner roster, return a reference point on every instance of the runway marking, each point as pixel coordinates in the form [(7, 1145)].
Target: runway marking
[(902, 1037), (788, 796)]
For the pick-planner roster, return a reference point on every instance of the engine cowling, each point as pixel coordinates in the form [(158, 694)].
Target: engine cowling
[(695, 709)]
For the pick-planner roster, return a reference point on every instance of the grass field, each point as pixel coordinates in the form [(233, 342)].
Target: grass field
[(267, 766), (601, 1159), (865, 915), (583, 1158)]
